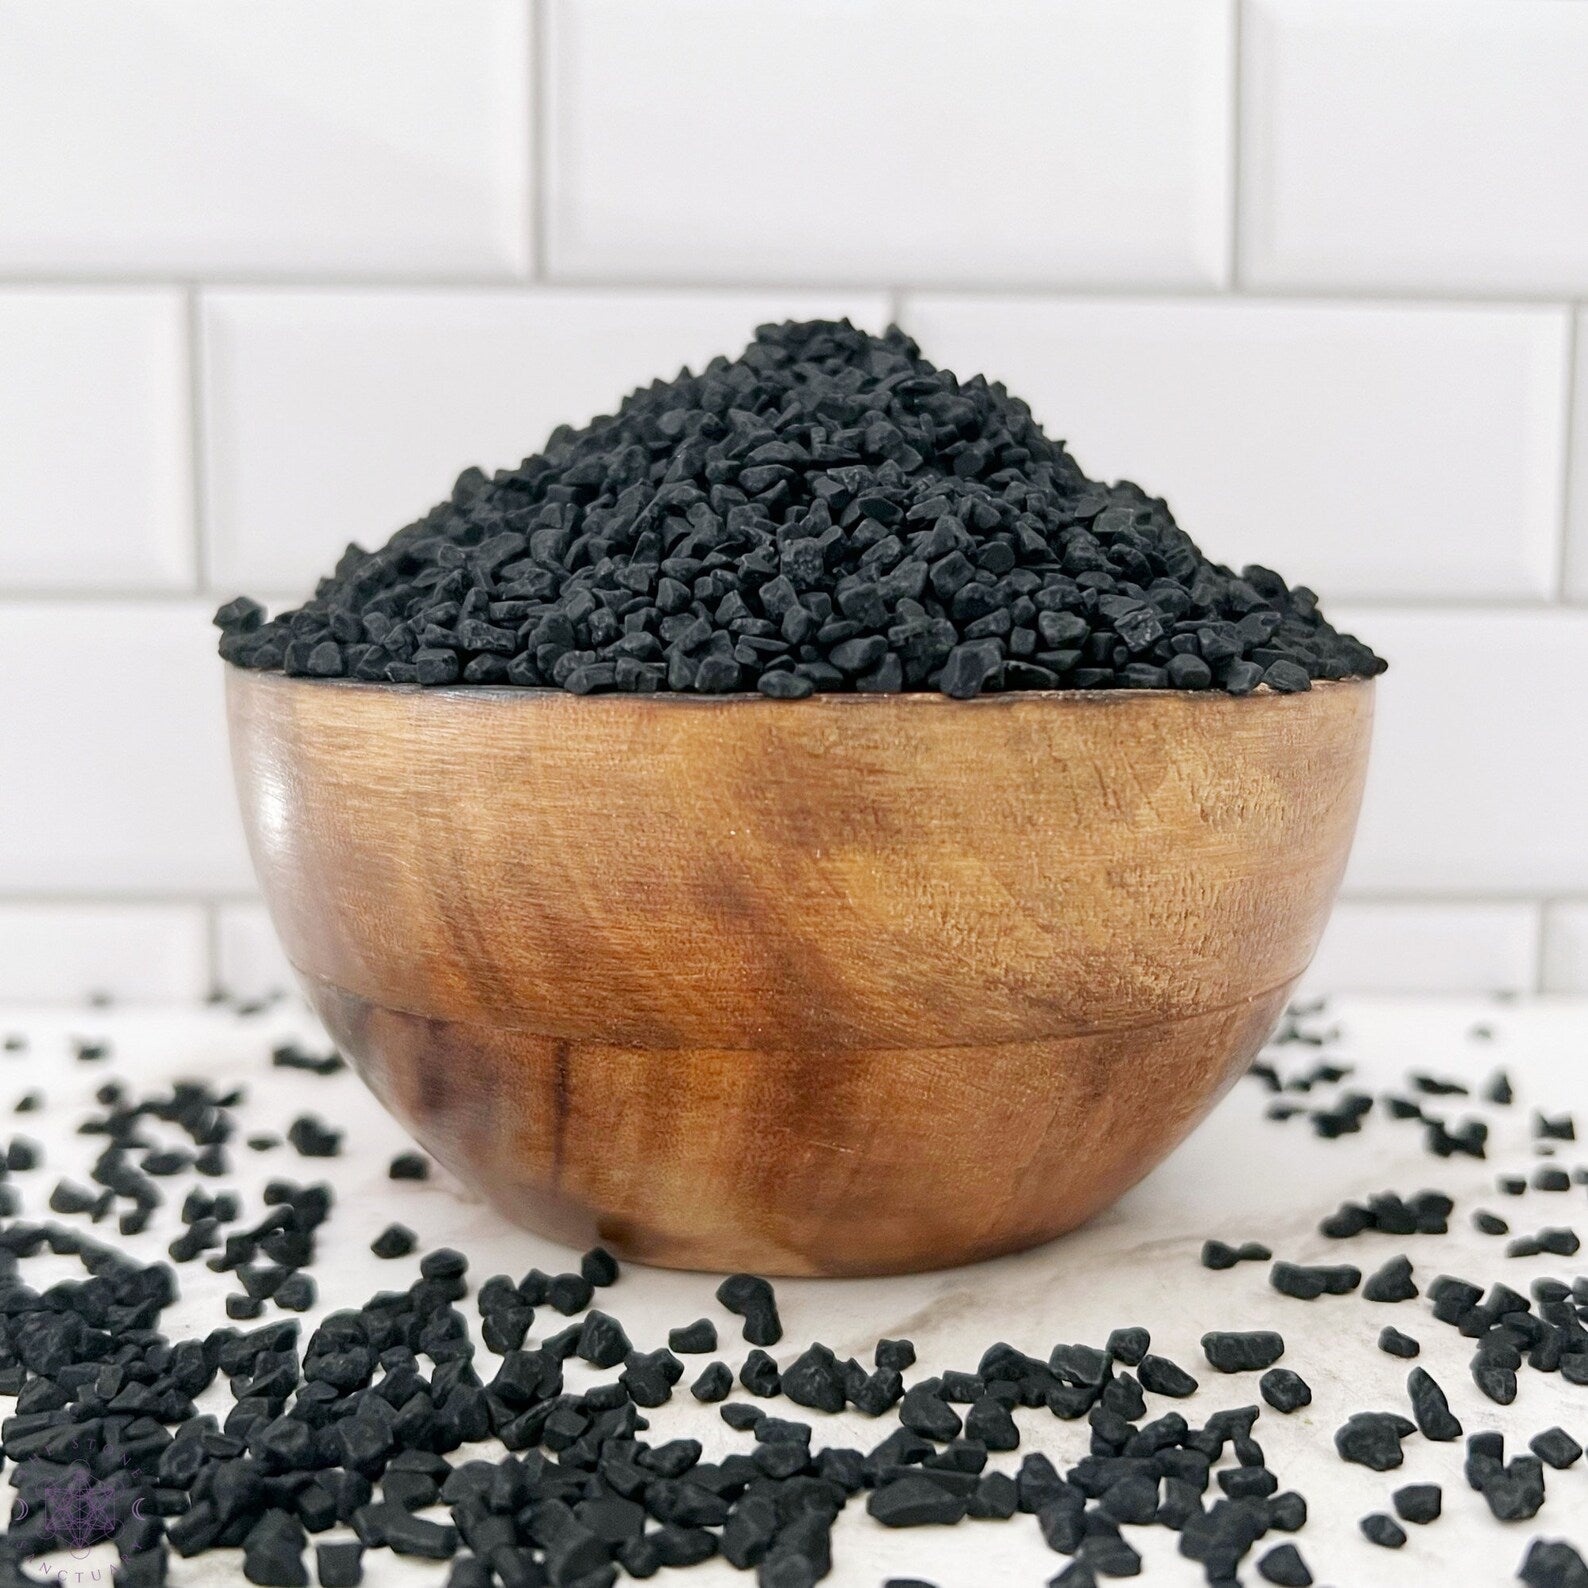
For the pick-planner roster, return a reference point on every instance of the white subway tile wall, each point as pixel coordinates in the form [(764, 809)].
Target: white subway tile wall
[(1566, 948), (249, 961), (265, 137), (68, 953), (1576, 565), (1415, 145), (1041, 142), (272, 273), (116, 778), (96, 465), (1388, 947)]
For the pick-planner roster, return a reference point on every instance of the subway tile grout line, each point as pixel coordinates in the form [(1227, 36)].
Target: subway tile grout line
[(1190, 292), (212, 944), (197, 476), (138, 899), (1237, 16), (1563, 551), (538, 85), (1541, 947)]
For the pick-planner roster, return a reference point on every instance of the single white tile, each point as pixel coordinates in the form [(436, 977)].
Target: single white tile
[(1480, 753), (385, 137), (1415, 144), (1576, 562), (1566, 947), (1030, 141), (1363, 449), (116, 777), (95, 462), (338, 416), (249, 958), (68, 952), (1391, 946)]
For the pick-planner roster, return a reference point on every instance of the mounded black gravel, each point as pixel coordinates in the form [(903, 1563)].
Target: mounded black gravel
[(826, 512)]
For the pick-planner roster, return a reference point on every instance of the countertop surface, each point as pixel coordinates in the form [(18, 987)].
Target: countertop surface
[(1242, 1176)]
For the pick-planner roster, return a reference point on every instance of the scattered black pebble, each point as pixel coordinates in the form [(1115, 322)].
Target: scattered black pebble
[(1163, 1377), (714, 1384), (1383, 1530), (1307, 1284), (1419, 1502), (1217, 1254), (1435, 1420), (340, 1565), (396, 1240), (599, 1266), (697, 1339), (1243, 1353), (1283, 1565), (1284, 1390), (289, 1056), (751, 1298), (1373, 1439), (1393, 1282), (372, 1421), (1555, 1448), (1427, 1213), (313, 1138), (1553, 1563)]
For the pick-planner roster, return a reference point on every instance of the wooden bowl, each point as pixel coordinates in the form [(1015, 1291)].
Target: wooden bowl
[(850, 985)]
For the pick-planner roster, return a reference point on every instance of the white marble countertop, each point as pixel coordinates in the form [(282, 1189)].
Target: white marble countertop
[(1239, 1177)]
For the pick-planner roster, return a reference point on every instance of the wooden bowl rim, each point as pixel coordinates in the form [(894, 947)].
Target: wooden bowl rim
[(852, 699)]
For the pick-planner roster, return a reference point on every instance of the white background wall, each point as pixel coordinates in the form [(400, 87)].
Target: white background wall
[(272, 271)]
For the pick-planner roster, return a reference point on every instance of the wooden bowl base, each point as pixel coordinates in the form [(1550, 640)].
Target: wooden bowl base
[(835, 1163)]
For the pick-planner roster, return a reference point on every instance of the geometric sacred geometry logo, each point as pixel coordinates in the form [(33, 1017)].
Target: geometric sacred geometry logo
[(80, 1517)]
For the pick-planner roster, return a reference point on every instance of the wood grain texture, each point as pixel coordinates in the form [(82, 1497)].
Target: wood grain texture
[(849, 984)]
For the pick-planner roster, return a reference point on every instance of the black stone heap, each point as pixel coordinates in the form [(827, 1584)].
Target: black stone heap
[(826, 512)]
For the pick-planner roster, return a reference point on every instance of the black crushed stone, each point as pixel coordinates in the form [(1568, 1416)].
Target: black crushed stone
[(827, 512), (1553, 1563), (362, 1426), (1284, 1390), (1420, 1503), (396, 1240), (751, 1298), (1243, 1353), (1373, 1439), (1393, 1282), (1218, 1254), (1283, 1564), (1383, 1530), (1308, 1283)]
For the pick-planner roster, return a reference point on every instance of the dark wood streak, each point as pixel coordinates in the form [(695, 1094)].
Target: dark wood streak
[(559, 1108)]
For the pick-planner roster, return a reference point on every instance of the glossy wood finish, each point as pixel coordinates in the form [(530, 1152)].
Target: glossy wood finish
[(845, 985)]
